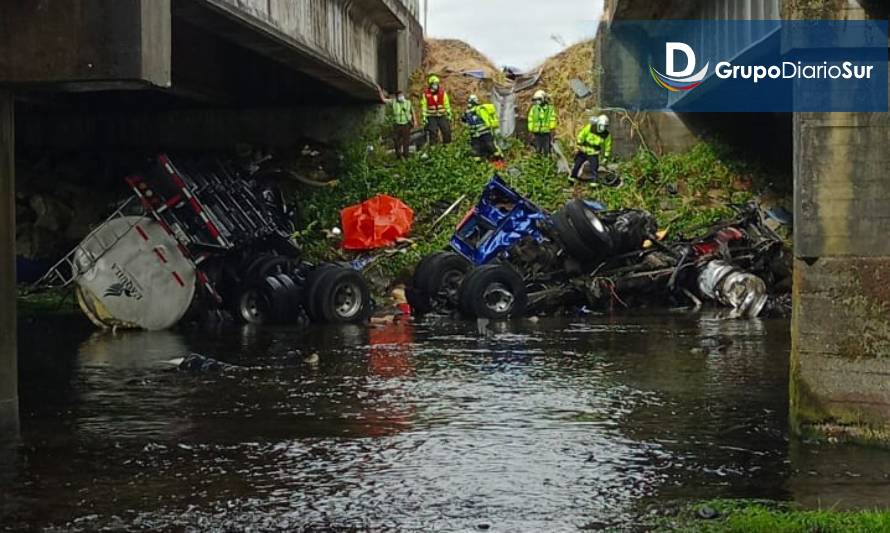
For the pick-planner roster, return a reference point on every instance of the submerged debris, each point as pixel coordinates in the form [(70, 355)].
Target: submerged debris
[(201, 364), (744, 292)]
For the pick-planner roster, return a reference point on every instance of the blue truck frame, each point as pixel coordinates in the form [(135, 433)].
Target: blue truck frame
[(500, 219)]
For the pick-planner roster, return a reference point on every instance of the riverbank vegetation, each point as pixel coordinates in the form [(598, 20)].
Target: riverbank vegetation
[(685, 191), (741, 516)]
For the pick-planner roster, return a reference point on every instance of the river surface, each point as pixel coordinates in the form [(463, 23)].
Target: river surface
[(559, 424)]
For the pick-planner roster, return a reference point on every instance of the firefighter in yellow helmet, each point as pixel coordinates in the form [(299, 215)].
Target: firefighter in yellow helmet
[(541, 122), (594, 147), (483, 123), (435, 106)]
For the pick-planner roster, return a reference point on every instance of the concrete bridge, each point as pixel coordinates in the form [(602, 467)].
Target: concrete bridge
[(840, 360), (185, 73)]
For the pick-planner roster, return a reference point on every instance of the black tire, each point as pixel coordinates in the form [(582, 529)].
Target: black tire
[(589, 227), (611, 179), (420, 302), (464, 300), (421, 271), (251, 306), (418, 298), (570, 239), (277, 297), (496, 293), (437, 284), (247, 274), (343, 297), (272, 266), (313, 280), (294, 296)]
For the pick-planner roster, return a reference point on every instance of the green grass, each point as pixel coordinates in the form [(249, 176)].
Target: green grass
[(686, 192), (53, 302), (770, 517)]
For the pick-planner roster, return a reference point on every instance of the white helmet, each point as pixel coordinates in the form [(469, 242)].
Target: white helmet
[(540, 95), (473, 100), (602, 123)]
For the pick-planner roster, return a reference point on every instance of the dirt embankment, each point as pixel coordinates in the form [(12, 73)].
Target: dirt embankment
[(452, 60), (575, 62)]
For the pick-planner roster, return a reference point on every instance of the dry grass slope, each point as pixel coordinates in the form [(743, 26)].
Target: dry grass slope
[(449, 59), (576, 61)]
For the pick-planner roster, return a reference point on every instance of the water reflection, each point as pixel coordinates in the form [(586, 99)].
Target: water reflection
[(519, 426)]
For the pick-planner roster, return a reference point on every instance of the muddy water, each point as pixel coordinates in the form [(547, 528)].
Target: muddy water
[(554, 425)]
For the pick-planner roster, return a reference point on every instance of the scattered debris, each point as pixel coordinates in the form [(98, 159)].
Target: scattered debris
[(510, 258), (581, 90), (745, 293)]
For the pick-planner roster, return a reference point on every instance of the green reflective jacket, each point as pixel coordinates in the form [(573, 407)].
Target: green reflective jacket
[(592, 143), (489, 121), (542, 118), (401, 112)]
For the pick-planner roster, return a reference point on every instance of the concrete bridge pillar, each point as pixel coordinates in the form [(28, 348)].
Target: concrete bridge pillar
[(9, 403), (840, 360)]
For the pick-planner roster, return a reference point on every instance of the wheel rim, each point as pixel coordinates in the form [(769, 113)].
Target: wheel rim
[(347, 300), (250, 307), (498, 298), (450, 286), (594, 221)]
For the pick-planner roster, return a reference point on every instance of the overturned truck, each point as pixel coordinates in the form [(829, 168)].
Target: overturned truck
[(203, 235), (509, 258)]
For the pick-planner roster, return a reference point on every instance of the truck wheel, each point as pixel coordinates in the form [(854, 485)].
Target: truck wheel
[(570, 238), (589, 227), (294, 296), (251, 306), (437, 284), (418, 297), (248, 275), (277, 297), (273, 265), (343, 297), (464, 296), (310, 290), (421, 271), (494, 292)]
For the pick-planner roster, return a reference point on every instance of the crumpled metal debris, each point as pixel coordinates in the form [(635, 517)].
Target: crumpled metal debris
[(733, 287)]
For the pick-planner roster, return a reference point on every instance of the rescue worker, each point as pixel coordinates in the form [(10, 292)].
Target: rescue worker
[(482, 120), (542, 122), (594, 146), (403, 122), (436, 111)]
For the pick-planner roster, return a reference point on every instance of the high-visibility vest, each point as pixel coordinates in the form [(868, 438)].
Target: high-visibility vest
[(593, 143), (482, 119), (436, 104), (401, 112), (542, 118)]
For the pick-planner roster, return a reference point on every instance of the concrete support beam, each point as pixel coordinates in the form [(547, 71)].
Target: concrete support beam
[(840, 360), (9, 403), (86, 44)]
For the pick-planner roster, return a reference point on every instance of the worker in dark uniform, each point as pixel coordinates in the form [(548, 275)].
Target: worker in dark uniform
[(482, 120)]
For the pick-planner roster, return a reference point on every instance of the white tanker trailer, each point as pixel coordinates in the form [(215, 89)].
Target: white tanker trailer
[(205, 238)]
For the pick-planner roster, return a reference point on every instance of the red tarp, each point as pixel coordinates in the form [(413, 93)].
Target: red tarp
[(375, 223)]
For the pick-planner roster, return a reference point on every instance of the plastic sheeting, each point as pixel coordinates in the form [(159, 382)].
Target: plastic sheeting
[(375, 223), (504, 99)]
